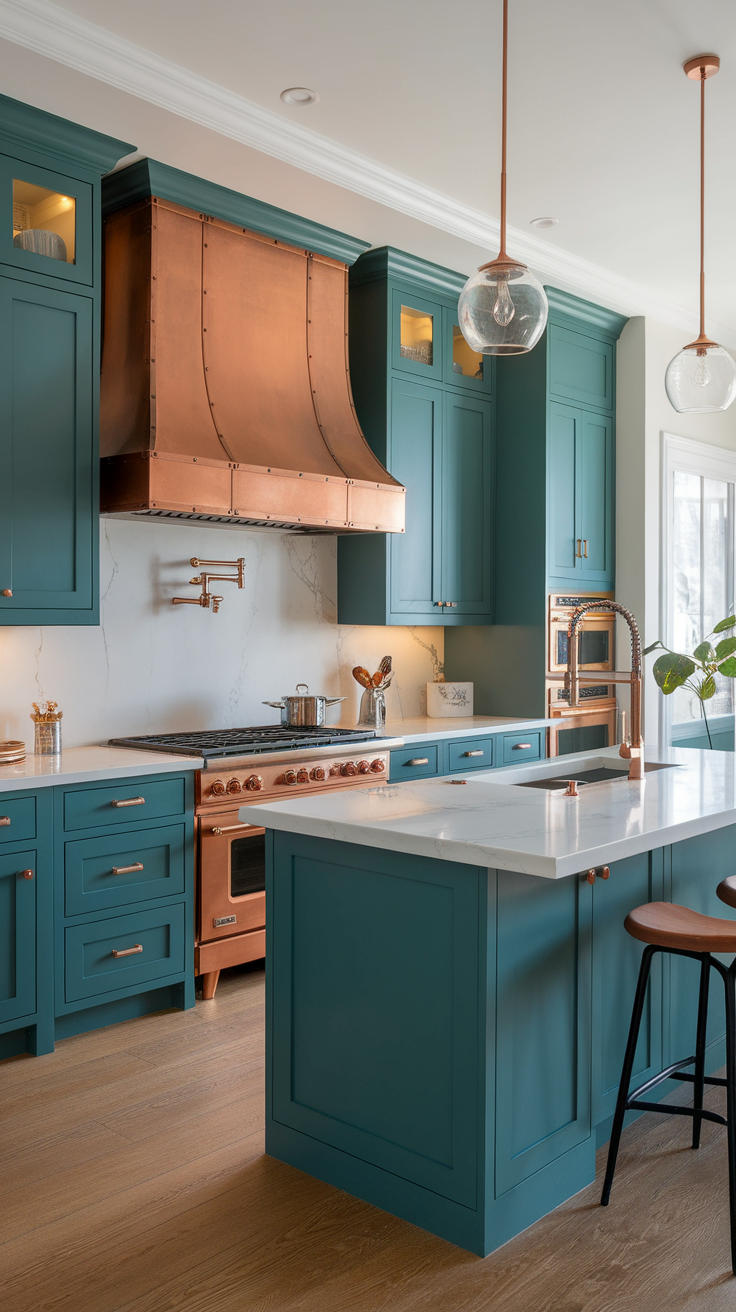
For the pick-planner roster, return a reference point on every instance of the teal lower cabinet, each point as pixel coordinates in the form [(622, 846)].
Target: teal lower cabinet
[(427, 759), (445, 1041), (96, 907)]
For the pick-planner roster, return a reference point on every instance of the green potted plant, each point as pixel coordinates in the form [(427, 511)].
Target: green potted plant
[(697, 672)]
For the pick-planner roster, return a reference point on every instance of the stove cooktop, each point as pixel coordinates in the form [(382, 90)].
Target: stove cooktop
[(211, 743)]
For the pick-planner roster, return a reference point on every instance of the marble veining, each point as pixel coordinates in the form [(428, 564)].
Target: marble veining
[(486, 822)]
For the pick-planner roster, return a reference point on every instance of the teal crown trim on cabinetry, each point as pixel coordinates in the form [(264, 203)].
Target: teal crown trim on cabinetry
[(50, 231), (555, 500), (147, 177), (426, 408)]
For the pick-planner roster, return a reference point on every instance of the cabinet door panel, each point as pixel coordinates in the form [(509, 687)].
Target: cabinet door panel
[(596, 499), (580, 367), (464, 367), (616, 958), (563, 530), (63, 206), (17, 936), (47, 478), (542, 1023), (416, 336), (415, 432), (466, 505)]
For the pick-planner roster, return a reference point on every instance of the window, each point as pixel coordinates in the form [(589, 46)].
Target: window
[(698, 564)]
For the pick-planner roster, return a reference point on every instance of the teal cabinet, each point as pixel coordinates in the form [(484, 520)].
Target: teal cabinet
[(581, 506), (17, 934), (26, 944), (424, 402), (50, 177), (461, 755), (581, 362)]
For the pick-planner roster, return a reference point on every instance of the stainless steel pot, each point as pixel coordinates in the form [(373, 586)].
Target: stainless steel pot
[(304, 710)]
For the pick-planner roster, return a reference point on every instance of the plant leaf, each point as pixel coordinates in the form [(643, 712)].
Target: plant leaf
[(652, 647), (725, 648), (707, 689), (728, 668), (722, 625), (671, 671), (705, 653)]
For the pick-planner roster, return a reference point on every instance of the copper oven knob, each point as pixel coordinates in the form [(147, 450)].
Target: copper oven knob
[(233, 786), (377, 767), (349, 767), (217, 788), (253, 783), (318, 772), (363, 767), (335, 769), (290, 776), (302, 776)]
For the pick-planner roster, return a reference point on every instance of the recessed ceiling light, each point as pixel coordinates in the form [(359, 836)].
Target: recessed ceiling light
[(299, 96), (544, 222)]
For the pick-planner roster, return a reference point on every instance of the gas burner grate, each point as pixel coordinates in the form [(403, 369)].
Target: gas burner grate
[(237, 742)]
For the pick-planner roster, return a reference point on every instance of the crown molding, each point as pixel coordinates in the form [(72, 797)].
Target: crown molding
[(49, 30)]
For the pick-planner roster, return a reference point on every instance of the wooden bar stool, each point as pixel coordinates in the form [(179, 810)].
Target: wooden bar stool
[(665, 927)]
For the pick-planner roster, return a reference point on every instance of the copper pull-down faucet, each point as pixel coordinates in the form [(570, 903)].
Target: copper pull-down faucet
[(633, 748)]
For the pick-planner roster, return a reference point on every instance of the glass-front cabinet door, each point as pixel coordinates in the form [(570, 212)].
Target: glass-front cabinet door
[(464, 367), (45, 221), (416, 336)]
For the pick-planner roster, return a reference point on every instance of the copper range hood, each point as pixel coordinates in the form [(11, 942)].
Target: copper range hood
[(225, 391)]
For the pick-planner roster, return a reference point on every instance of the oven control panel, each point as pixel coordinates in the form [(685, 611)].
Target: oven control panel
[(221, 784)]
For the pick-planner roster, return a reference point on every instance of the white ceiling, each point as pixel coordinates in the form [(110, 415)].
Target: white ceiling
[(603, 124)]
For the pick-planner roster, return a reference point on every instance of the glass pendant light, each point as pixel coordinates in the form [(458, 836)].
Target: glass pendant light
[(702, 377), (502, 308)]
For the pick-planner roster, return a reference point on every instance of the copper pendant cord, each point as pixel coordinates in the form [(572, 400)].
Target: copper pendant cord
[(702, 67), (504, 114)]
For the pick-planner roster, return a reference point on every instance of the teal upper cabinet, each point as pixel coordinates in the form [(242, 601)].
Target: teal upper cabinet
[(424, 402), (50, 176), (581, 495), (581, 366)]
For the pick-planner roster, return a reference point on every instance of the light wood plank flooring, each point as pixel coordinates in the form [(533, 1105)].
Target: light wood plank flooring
[(133, 1179)]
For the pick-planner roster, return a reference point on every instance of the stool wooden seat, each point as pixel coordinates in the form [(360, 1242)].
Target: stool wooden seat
[(665, 927), (668, 926), (727, 890)]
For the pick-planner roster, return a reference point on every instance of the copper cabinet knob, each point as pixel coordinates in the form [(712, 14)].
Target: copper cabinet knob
[(302, 776), (348, 768), (377, 767), (218, 788), (26, 874), (233, 786), (254, 783), (318, 772), (290, 777), (7, 592)]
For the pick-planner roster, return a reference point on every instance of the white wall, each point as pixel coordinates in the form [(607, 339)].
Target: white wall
[(643, 413), (153, 667)]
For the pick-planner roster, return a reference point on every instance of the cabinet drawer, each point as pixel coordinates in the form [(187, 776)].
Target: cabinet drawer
[(519, 747), (470, 754), (119, 804), (91, 969), (17, 819), (101, 873), (414, 763)]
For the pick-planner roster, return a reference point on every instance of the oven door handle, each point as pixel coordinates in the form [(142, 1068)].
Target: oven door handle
[(231, 829)]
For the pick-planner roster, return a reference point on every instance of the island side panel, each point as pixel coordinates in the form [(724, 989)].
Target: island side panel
[(376, 1028)]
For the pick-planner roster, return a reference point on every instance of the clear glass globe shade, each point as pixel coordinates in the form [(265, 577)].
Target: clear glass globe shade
[(502, 310), (700, 384)]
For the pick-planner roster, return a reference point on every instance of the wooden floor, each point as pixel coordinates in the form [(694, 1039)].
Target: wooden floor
[(133, 1178)]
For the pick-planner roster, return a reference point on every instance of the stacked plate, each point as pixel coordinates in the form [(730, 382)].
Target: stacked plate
[(12, 750)]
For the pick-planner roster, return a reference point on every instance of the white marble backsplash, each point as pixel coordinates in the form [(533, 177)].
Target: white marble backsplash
[(153, 667)]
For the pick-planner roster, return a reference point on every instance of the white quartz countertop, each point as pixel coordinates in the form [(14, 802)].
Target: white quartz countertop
[(81, 765), (486, 821), (422, 728)]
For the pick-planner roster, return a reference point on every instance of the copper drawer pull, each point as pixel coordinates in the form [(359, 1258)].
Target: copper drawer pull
[(585, 548), (4, 819), (129, 801), (127, 870), (451, 603), (418, 760), (26, 874), (579, 552), (127, 952), (521, 747), (478, 753), (231, 829)]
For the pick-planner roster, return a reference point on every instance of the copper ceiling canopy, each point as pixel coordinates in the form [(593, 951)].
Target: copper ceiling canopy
[(225, 390)]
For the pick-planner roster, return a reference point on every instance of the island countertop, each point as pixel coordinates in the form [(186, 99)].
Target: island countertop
[(486, 821)]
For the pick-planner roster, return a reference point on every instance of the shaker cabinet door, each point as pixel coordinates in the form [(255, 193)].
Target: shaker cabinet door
[(563, 529), (416, 421), (48, 477), (17, 935), (595, 480), (465, 526)]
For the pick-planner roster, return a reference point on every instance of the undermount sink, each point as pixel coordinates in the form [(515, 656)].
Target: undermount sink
[(595, 775)]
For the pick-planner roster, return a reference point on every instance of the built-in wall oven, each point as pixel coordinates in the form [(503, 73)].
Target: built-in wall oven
[(593, 723)]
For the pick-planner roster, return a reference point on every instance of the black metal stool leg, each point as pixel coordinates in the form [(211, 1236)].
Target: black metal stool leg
[(628, 1066), (730, 987), (699, 1080)]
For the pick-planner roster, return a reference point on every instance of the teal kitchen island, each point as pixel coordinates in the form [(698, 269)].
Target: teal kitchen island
[(449, 982)]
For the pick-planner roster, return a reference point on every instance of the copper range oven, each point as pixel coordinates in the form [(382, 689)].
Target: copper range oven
[(255, 765), (593, 723)]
